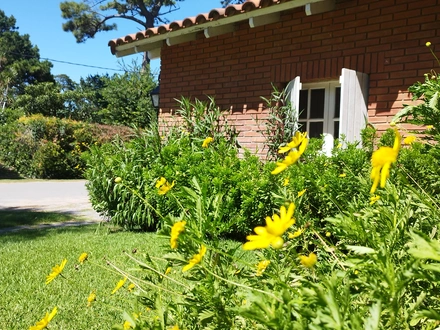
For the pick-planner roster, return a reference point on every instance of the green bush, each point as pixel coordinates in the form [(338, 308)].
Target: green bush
[(216, 172), (49, 147)]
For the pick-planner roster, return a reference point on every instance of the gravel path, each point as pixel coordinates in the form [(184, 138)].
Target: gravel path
[(64, 196)]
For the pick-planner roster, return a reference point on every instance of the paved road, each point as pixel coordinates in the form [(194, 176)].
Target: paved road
[(65, 196)]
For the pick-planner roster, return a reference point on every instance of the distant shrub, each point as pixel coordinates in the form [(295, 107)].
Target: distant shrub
[(49, 147)]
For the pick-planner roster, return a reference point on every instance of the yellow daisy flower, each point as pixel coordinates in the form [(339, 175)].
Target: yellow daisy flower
[(409, 139), (381, 161), (300, 193), (177, 228), (271, 234), (374, 199), (91, 298), (196, 259), (294, 154), (308, 261), (119, 285), (40, 325), (83, 257), (296, 233), (261, 267), (56, 271), (206, 142)]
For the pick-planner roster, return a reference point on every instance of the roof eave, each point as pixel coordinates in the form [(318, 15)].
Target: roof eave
[(257, 17)]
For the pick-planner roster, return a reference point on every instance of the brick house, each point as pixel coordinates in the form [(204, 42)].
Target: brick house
[(344, 61)]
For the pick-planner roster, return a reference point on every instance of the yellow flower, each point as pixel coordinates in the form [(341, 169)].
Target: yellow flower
[(409, 139), (381, 162), (308, 261), (296, 234), (176, 327), (206, 142), (271, 234), (286, 182), (118, 180), (292, 156), (131, 287), (127, 325), (177, 228), (40, 325), (196, 259), (339, 146), (374, 199), (91, 298), (160, 182), (119, 285), (328, 234), (261, 267), (83, 257), (168, 270), (165, 187), (300, 193), (296, 141), (392, 124), (342, 175), (428, 44), (429, 127), (56, 271)]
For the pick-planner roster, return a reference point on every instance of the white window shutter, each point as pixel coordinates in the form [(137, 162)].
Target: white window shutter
[(293, 88), (354, 99)]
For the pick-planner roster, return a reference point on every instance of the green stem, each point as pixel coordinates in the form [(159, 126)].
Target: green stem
[(270, 294), (156, 271)]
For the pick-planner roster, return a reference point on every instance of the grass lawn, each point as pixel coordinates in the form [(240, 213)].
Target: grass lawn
[(27, 257)]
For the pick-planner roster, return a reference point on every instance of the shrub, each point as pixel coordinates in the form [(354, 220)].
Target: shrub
[(49, 147), (216, 172)]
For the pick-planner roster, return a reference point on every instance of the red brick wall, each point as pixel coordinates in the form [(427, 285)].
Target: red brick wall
[(384, 38)]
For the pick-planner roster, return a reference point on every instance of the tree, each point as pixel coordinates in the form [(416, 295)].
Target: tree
[(226, 3), (128, 98), (20, 63), (88, 17)]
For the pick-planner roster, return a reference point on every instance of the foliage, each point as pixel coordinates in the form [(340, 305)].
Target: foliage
[(127, 99), (226, 3), (362, 264), (235, 184), (20, 63), (42, 98), (426, 112), (281, 124), (49, 147), (85, 19)]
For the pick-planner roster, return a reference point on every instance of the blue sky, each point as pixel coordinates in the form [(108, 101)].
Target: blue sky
[(41, 19)]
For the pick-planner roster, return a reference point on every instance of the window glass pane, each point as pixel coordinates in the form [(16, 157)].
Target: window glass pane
[(336, 129), (302, 126), (316, 129), (317, 97), (337, 101), (303, 100)]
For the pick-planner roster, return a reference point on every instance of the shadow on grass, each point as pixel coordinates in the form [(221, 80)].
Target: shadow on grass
[(12, 217)]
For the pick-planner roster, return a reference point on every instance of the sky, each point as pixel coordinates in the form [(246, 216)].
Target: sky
[(42, 21)]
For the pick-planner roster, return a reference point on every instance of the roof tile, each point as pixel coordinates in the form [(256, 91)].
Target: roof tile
[(214, 14)]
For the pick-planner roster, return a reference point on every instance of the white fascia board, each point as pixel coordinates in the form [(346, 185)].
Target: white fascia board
[(320, 7)]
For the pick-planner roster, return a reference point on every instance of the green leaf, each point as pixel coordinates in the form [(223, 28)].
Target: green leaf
[(360, 249), (372, 322)]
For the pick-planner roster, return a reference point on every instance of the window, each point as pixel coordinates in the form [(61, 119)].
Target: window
[(331, 108), (319, 106)]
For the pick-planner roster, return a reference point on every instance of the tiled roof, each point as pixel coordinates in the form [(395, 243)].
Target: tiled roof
[(191, 25)]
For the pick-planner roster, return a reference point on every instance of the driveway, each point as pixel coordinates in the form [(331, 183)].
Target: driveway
[(64, 196)]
